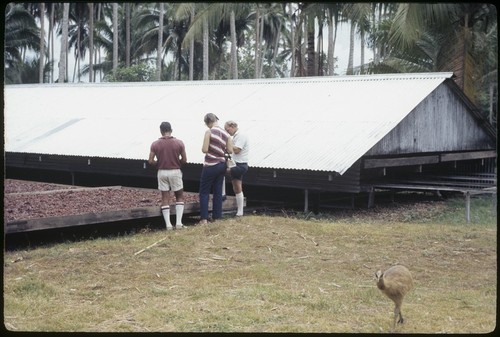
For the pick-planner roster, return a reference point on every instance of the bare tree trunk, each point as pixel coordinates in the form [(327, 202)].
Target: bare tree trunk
[(318, 59), (115, 36), (257, 41), (64, 44), (261, 50), (331, 46), (234, 52), (205, 49), (362, 51), (292, 34), (275, 51), (127, 34), (51, 41), (310, 32), (491, 102), (91, 42), (374, 27), (351, 50), (98, 53), (160, 42), (42, 43), (191, 51), (303, 48), (78, 57)]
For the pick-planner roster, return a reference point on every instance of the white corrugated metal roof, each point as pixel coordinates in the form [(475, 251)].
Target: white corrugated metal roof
[(319, 123)]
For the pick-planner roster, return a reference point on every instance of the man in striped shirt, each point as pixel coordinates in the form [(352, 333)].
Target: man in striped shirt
[(216, 143)]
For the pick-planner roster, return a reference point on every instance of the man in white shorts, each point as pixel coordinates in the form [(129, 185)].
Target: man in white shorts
[(170, 154)]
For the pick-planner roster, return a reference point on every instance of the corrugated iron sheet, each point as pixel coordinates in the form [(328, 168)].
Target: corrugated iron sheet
[(320, 123)]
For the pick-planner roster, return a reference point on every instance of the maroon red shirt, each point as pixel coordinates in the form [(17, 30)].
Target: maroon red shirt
[(168, 150)]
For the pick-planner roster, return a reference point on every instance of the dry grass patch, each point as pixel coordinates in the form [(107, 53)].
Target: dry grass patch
[(259, 274)]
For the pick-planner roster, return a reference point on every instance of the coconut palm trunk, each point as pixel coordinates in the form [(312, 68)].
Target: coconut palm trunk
[(205, 49), (64, 44), (115, 36), (91, 42), (234, 54), (160, 42), (42, 43)]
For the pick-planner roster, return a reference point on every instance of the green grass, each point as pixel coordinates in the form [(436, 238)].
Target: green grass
[(300, 273)]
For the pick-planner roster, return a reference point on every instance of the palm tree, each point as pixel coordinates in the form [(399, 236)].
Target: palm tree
[(459, 22), (104, 39), (291, 18), (21, 33), (42, 42), (205, 48), (187, 11), (273, 16), (358, 14), (314, 15), (199, 26), (234, 56), (91, 42), (64, 45), (29, 71), (333, 18), (78, 34), (55, 15), (127, 34), (258, 33), (169, 39), (160, 41), (218, 18), (115, 36)]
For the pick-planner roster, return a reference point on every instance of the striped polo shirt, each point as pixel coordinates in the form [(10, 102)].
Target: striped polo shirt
[(217, 146)]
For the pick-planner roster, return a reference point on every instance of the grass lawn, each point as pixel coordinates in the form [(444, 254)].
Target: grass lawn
[(262, 273)]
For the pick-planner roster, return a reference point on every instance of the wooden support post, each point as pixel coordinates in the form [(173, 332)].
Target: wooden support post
[(467, 206), (371, 198), (306, 200)]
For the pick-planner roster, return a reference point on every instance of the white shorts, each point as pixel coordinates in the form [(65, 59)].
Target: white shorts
[(170, 180)]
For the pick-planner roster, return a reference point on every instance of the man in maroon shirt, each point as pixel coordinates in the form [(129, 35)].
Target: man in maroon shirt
[(170, 154)]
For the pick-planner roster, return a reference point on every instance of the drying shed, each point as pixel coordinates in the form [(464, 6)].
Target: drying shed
[(345, 134)]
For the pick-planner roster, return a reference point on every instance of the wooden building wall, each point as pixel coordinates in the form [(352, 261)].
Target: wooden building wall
[(440, 123)]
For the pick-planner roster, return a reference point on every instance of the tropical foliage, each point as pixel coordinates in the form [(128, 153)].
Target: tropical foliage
[(207, 41)]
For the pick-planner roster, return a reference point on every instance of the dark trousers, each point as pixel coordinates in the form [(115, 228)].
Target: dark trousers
[(212, 178)]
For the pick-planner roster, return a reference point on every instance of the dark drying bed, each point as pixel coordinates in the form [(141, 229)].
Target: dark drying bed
[(30, 206)]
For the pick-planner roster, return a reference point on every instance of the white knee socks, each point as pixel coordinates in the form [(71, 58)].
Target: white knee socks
[(165, 210), (239, 203), (179, 210)]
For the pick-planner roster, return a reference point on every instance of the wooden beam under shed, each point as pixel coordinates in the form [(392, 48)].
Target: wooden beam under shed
[(468, 155), (401, 161)]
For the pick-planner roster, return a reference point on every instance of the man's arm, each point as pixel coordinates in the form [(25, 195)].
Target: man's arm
[(151, 159), (206, 142), (183, 156)]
